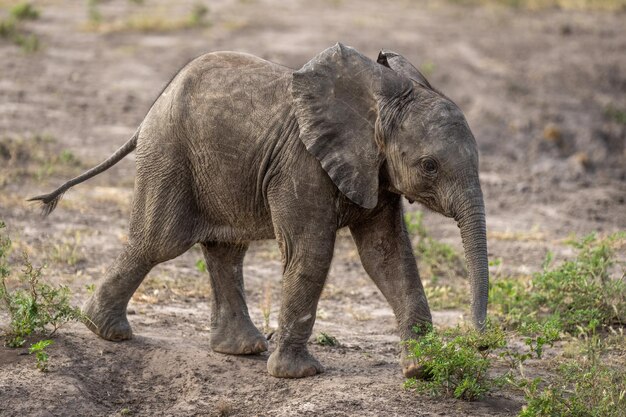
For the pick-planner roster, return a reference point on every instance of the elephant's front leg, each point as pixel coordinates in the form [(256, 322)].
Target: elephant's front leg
[(232, 330), (386, 253), (307, 250)]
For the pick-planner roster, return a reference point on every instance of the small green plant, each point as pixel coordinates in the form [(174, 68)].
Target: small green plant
[(324, 339), (29, 43), (24, 11), (10, 28), (456, 361), (201, 265), (576, 293), (7, 28), (33, 307), (616, 114), (586, 386), (91, 288), (51, 165), (39, 349), (198, 15), (428, 68), (67, 157), (93, 11), (68, 252), (266, 306)]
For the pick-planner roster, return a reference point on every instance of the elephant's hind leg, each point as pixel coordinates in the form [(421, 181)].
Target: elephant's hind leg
[(232, 330), (163, 225), (106, 309)]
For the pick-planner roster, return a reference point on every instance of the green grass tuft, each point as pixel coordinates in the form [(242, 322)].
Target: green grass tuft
[(324, 339), (24, 11), (35, 308), (10, 28), (587, 290)]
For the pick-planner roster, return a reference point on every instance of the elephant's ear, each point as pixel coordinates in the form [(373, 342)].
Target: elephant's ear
[(402, 66), (336, 111), (336, 103)]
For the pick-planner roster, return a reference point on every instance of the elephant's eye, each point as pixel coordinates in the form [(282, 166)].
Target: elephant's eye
[(429, 166)]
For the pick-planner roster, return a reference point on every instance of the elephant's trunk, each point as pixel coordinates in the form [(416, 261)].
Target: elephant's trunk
[(471, 220)]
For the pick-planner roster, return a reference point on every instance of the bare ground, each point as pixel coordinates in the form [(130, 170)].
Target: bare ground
[(542, 91)]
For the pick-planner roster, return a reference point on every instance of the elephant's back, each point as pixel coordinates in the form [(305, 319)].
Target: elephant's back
[(222, 121), (213, 76), (222, 86), (223, 95), (235, 60)]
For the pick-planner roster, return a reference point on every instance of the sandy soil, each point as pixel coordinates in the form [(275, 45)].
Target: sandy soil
[(542, 92)]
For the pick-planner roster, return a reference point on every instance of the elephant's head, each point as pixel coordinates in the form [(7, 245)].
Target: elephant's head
[(381, 124)]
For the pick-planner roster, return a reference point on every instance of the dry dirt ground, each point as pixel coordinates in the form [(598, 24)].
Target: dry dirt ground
[(544, 92)]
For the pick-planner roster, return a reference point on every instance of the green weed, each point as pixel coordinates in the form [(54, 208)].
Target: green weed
[(35, 156), (68, 158), (441, 297), (428, 68), (589, 289), (68, 252), (456, 362), (55, 163), (324, 339), (34, 307), (201, 265), (39, 349), (24, 11), (93, 11), (10, 28), (582, 299), (585, 386), (618, 115), (266, 306), (147, 22), (198, 15)]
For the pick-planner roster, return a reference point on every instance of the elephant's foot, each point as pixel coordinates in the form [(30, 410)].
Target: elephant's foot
[(106, 323), (239, 337), (411, 368), (293, 364)]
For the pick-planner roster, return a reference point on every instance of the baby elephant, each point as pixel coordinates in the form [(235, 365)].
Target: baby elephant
[(237, 149)]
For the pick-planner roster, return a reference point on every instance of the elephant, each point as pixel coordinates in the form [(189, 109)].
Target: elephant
[(237, 149)]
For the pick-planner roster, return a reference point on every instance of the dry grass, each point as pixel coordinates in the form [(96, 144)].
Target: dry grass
[(157, 20), (120, 198), (600, 5), (68, 251), (443, 297), (532, 235), (35, 157), (266, 306), (162, 288), (359, 314)]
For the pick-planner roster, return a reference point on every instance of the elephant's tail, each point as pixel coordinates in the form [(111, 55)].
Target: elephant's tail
[(50, 201)]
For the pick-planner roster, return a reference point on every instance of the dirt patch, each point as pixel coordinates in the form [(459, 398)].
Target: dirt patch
[(545, 95)]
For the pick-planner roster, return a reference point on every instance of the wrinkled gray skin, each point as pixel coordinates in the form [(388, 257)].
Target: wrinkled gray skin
[(238, 149)]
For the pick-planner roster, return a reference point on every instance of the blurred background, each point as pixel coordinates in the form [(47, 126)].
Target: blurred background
[(542, 83)]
